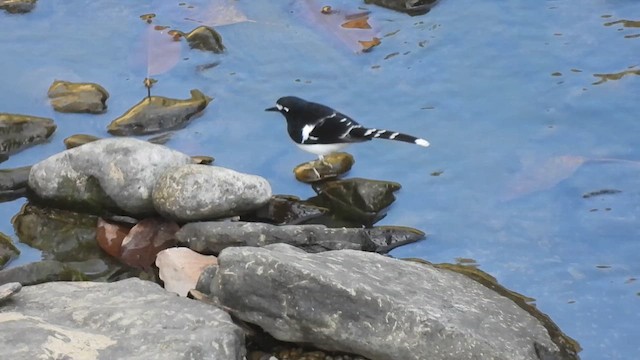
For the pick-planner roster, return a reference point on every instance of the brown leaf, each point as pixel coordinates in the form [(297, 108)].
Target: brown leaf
[(367, 45), (181, 267), (110, 236), (146, 239), (359, 23)]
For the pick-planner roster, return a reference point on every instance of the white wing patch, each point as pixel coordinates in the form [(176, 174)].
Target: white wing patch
[(379, 132), (306, 130), (370, 131), (393, 136)]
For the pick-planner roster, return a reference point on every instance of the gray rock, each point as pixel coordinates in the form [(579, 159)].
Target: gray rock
[(116, 174), (198, 192), (130, 319), (374, 306), (8, 290), (69, 97), (214, 236)]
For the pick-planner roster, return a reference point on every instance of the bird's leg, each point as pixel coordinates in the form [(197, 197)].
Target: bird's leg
[(324, 162)]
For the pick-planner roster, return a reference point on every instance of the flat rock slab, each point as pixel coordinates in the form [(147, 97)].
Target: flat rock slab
[(129, 319), (374, 306)]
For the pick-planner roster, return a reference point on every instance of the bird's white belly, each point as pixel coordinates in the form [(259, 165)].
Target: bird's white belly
[(322, 149)]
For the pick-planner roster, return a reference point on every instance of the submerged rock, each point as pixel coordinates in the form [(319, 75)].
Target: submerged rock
[(198, 192), (156, 113), (13, 183), (130, 319), (205, 38), (360, 200), (18, 132), (71, 97), (115, 174), (8, 290), (145, 240), (334, 165), (79, 139), (374, 306), (411, 7), (214, 236), (17, 6), (8, 251)]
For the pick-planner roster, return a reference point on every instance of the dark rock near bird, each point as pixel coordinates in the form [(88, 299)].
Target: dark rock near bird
[(374, 306), (18, 132), (41, 272), (13, 183), (286, 210), (116, 175), (156, 113), (386, 238), (69, 97), (360, 200), (334, 165), (130, 319), (199, 192)]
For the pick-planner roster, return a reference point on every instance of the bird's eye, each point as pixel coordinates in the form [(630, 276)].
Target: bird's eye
[(286, 109)]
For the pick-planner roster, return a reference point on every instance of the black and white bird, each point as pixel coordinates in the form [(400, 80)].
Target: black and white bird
[(321, 130)]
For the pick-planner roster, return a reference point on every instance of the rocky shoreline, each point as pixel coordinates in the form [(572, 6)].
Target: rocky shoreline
[(271, 267)]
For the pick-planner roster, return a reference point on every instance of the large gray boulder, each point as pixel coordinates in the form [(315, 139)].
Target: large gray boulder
[(199, 192), (114, 174), (374, 306), (130, 319)]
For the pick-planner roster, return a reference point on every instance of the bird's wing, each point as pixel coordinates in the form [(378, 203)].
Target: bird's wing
[(333, 128)]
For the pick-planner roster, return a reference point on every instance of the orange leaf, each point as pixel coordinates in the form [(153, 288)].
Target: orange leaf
[(359, 23), (367, 45)]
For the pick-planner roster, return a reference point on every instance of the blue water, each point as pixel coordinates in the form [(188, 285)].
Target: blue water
[(503, 91)]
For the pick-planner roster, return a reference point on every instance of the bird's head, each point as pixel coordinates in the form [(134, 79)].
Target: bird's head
[(286, 104)]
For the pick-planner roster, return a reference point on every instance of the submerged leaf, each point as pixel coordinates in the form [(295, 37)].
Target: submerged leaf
[(543, 175)]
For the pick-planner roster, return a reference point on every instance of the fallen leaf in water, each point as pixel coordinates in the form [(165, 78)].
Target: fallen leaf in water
[(367, 45), (615, 76), (181, 267), (359, 23), (161, 52), (543, 175), (110, 236), (145, 240)]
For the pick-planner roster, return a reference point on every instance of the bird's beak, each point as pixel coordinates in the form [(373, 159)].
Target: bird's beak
[(272, 109)]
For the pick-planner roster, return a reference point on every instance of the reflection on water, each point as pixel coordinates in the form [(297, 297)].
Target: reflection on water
[(514, 150)]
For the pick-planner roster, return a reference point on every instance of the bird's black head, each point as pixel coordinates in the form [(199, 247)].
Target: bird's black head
[(288, 103)]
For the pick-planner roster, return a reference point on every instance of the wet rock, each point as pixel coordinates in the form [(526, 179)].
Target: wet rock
[(411, 7), (121, 320), (17, 6), (202, 160), (373, 306), (8, 251), (8, 290), (59, 234), (76, 140), (116, 174), (197, 192), (333, 166), (386, 238), (360, 200), (18, 132), (110, 236), (156, 113), (13, 183), (286, 210), (68, 97), (214, 236), (41, 272), (205, 38), (180, 268)]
